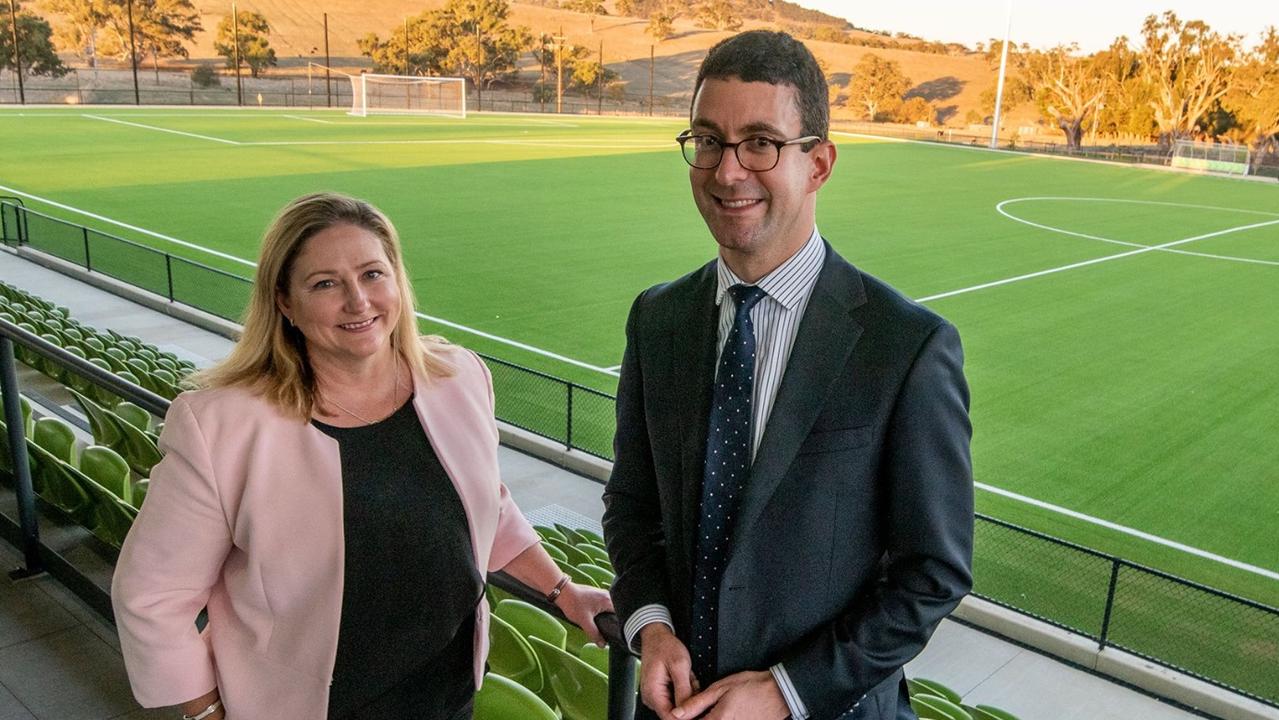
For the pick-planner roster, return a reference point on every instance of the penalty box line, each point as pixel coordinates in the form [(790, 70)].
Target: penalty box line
[(193, 246)]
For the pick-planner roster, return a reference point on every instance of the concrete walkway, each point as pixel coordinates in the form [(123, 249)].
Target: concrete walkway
[(60, 661)]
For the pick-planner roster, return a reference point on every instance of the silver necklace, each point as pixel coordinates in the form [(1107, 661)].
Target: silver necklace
[(360, 417)]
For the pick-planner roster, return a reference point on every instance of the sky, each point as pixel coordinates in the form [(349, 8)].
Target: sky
[(1094, 24)]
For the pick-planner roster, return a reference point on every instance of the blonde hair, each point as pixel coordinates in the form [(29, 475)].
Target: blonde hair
[(271, 357)]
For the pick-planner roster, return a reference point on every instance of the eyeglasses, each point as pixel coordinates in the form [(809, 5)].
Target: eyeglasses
[(757, 154)]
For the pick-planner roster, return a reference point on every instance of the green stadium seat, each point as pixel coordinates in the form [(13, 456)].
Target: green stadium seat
[(572, 552), (986, 712), (502, 699), (934, 707), (56, 436), (531, 621), (58, 483), (601, 576), (595, 656), (511, 656), (137, 448), (548, 533), (105, 428), (570, 535), (595, 552), (94, 344), (106, 468), (134, 415), (591, 537), (554, 552), (140, 489), (931, 687), (580, 690)]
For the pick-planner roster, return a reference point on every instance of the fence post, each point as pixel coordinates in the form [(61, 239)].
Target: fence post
[(20, 464), (88, 265), (568, 435), (1110, 604), (168, 273)]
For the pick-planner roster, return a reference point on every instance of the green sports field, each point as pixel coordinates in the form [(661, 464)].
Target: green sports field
[(1121, 325)]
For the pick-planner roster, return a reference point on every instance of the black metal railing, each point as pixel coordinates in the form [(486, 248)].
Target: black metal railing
[(1224, 639), (1168, 620), (621, 692)]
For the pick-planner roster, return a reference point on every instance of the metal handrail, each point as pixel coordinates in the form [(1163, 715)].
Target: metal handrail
[(621, 685)]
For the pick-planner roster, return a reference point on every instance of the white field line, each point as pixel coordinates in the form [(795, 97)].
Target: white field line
[(465, 141), (1000, 209), (134, 228), (1094, 261), (424, 316), (1255, 570), (160, 129), (309, 119)]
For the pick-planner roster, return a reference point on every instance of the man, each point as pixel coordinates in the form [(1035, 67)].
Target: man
[(790, 510)]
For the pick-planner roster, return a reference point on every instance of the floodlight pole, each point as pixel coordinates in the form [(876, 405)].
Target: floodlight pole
[(599, 83), (133, 55), (1003, 70), (406, 46), (235, 30), (328, 76), (17, 51), (559, 71), (650, 80)]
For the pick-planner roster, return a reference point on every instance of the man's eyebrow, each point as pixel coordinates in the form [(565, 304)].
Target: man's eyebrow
[(755, 128), (704, 124)]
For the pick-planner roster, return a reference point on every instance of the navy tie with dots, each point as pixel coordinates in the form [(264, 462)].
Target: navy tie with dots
[(728, 460)]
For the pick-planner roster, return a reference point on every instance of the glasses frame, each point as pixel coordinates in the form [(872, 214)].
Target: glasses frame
[(779, 144)]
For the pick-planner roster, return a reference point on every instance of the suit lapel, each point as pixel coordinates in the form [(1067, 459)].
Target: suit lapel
[(823, 344), (692, 336)]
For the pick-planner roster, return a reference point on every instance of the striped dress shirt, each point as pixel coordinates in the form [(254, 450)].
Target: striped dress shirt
[(776, 320)]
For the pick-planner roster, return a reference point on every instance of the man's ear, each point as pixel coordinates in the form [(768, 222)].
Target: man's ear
[(823, 159)]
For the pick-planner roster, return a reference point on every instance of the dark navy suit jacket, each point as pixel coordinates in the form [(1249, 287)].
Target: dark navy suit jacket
[(854, 534)]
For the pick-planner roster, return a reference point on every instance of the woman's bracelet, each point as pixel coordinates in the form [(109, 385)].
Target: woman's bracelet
[(559, 588), (216, 706)]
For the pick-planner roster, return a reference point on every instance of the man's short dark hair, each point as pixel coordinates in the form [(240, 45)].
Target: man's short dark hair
[(777, 59)]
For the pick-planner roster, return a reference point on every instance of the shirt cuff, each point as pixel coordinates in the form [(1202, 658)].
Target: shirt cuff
[(646, 615), (798, 711)]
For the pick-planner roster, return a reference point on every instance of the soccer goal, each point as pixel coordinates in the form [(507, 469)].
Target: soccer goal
[(406, 95), (1211, 157)]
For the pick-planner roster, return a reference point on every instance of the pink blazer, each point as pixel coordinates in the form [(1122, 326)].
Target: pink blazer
[(244, 515)]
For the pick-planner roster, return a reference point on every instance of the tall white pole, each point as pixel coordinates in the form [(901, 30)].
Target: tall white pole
[(1003, 70)]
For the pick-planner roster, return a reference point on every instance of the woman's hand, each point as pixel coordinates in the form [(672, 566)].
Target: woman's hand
[(581, 604), (198, 705)]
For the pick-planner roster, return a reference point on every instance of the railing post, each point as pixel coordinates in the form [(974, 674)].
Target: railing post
[(1110, 604), (568, 435), (621, 684), (168, 273), (88, 265), (20, 464)]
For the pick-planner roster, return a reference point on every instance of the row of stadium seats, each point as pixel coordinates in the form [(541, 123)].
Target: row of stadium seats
[(92, 485), (130, 358), (932, 700), (541, 667)]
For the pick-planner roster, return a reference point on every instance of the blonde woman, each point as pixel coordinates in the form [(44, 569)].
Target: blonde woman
[(331, 495)]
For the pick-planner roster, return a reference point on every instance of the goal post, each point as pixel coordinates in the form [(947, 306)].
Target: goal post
[(407, 95), (1225, 158)]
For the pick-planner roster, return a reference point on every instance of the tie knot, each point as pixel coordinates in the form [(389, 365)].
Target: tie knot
[(746, 296)]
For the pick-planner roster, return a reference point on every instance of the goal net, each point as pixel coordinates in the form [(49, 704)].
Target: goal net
[(407, 95), (1211, 157)]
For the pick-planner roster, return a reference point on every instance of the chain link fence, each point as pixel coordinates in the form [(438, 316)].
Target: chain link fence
[(1226, 640)]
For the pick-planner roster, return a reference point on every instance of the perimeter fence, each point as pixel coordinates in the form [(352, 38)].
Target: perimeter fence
[(1224, 639)]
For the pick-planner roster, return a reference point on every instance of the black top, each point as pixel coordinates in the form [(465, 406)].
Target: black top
[(405, 644)]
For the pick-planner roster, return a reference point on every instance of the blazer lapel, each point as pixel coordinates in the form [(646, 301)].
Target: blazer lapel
[(827, 334), (693, 366)]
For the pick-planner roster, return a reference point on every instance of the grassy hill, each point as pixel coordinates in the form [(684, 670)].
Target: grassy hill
[(954, 82)]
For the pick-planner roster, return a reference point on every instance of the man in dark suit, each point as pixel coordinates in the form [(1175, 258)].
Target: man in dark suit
[(790, 511)]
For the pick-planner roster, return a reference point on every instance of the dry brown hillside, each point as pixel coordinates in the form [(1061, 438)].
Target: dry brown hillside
[(952, 82)]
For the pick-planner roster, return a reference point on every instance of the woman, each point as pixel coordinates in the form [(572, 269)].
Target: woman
[(332, 497)]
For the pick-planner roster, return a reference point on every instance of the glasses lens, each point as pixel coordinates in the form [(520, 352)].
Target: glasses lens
[(757, 154), (702, 152)]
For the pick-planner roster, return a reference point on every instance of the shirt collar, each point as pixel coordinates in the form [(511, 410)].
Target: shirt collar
[(789, 282)]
